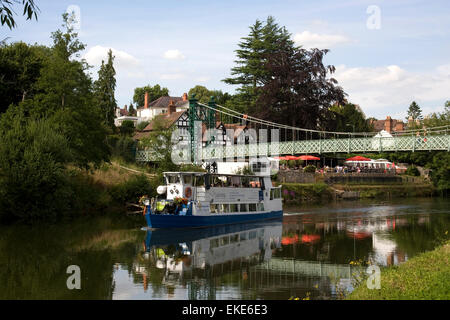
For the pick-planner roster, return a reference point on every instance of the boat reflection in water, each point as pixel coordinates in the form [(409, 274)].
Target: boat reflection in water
[(185, 253)]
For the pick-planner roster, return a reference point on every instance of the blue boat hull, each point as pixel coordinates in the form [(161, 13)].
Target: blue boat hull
[(176, 221)]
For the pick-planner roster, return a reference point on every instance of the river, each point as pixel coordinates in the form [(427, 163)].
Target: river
[(306, 254)]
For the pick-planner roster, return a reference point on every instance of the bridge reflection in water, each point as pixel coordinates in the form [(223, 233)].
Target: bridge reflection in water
[(303, 255)]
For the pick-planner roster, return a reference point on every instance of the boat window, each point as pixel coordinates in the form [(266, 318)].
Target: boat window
[(252, 234), (214, 208), (224, 208), (243, 207), (224, 241), (187, 179), (252, 207), (200, 181), (244, 236), (275, 193), (261, 206), (245, 182), (214, 243), (254, 183), (234, 238), (236, 182), (217, 182), (234, 207), (228, 183), (173, 179)]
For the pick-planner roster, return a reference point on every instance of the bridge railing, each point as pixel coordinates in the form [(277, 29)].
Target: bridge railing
[(350, 145)]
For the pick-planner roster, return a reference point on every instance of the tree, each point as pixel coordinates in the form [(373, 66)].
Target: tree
[(131, 111), (159, 143), (104, 89), (348, 118), (65, 97), (252, 70), (154, 93), (414, 112), (20, 67), (7, 13), (33, 155), (202, 94), (299, 91)]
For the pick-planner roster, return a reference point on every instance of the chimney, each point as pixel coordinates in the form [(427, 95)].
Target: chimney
[(146, 101), (172, 107), (185, 97), (388, 124)]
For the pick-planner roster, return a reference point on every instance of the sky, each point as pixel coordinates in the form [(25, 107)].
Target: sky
[(386, 53)]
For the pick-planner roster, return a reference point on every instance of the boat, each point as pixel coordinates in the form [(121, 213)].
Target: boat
[(198, 199), (184, 253)]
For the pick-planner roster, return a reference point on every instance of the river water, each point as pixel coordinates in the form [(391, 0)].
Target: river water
[(306, 254)]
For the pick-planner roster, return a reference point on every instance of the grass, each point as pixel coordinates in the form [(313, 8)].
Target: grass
[(424, 277)]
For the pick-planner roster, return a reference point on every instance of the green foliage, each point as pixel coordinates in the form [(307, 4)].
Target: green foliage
[(414, 112), (309, 169), (154, 93), (348, 118), (122, 147), (33, 184), (440, 174), (131, 190), (159, 142), (141, 126), (423, 277), (250, 70), (413, 171), (20, 67), (104, 89), (202, 94), (127, 128), (7, 12)]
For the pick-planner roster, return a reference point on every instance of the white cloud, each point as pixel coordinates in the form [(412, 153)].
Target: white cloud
[(309, 40), (389, 90), (96, 54), (173, 55)]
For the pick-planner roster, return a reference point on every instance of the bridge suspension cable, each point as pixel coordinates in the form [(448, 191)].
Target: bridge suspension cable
[(240, 116)]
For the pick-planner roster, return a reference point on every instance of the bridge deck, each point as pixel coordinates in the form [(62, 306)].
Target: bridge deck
[(351, 145)]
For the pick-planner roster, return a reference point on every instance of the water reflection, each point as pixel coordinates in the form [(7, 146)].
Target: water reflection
[(307, 253), (304, 255)]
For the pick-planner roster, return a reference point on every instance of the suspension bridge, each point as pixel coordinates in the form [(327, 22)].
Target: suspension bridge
[(265, 138)]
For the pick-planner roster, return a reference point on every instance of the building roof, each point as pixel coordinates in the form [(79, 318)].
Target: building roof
[(168, 120), (164, 102)]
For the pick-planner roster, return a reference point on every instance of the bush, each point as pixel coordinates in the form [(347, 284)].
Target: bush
[(33, 181), (309, 169), (127, 128), (123, 147), (132, 189), (413, 171), (141, 126)]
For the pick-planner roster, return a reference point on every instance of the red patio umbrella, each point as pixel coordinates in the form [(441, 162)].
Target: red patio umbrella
[(309, 158), (358, 158), (292, 158)]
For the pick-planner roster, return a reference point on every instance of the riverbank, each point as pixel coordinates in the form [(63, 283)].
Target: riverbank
[(426, 276), (299, 193)]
